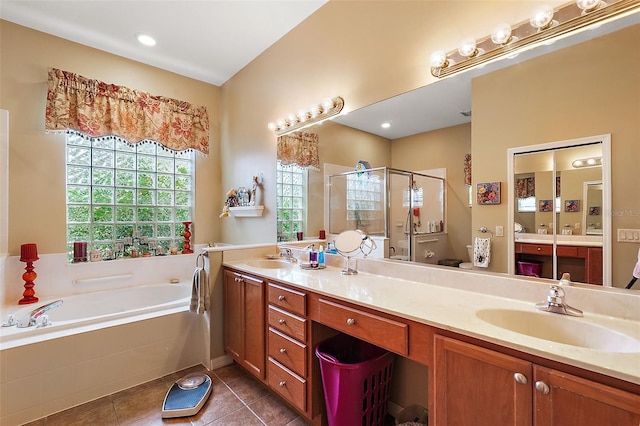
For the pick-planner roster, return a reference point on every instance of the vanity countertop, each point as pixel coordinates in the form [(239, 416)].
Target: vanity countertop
[(561, 240), (455, 306)]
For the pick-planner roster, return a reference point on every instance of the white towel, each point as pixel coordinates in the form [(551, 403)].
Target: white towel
[(199, 292), (482, 252)]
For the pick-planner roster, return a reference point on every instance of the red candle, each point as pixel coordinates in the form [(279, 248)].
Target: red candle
[(28, 252)]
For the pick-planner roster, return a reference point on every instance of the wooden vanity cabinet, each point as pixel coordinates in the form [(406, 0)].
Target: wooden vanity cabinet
[(289, 349), (582, 262), (479, 386), (244, 321)]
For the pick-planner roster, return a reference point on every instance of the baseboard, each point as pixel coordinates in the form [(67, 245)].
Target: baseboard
[(220, 361)]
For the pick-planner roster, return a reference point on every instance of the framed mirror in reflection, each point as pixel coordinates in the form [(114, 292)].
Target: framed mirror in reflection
[(555, 193)]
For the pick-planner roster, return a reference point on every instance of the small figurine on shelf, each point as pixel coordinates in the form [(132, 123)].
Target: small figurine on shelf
[(257, 184), (231, 201)]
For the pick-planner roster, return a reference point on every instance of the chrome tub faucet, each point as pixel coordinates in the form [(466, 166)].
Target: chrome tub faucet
[(37, 317)]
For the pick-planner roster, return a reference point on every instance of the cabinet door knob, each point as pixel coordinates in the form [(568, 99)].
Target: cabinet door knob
[(520, 378), (283, 351), (281, 321), (281, 298), (282, 384), (350, 321), (542, 387), (539, 248)]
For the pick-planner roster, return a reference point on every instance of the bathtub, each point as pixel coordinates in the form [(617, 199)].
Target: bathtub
[(91, 311), (99, 343)]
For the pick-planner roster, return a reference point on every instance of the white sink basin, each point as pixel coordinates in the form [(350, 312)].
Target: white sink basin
[(561, 329), (268, 264)]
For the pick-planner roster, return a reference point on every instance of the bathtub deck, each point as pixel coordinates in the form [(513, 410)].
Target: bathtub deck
[(236, 399)]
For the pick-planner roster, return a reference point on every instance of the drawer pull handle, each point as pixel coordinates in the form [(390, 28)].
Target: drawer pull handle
[(282, 384), (542, 387), (539, 248), (281, 321), (283, 351), (520, 378), (238, 279), (351, 321), (281, 298)]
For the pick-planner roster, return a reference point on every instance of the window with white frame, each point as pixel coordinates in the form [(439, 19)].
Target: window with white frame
[(291, 199), (121, 195)]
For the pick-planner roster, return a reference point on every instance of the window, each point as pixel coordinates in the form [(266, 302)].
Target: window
[(291, 199), (120, 195)]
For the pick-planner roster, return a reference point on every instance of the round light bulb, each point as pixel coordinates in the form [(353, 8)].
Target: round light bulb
[(327, 104), (592, 161), (501, 34), (578, 163), (542, 17), (302, 115), (588, 5), (438, 59), (271, 126), (468, 48)]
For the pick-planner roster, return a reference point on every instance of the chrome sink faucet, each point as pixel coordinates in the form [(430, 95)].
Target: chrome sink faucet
[(287, 255), (556, 299), (37, 317)]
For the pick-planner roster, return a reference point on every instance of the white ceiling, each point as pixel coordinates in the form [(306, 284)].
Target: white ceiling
[(208, 40)]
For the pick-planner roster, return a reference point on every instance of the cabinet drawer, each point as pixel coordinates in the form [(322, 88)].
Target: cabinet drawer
[(541, 249), (288, 352), (291, 300), (287, 323), (287, 384), (571, 251), (380, 331)]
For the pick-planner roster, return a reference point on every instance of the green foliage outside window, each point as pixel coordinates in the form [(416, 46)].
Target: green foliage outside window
[(115, 189)]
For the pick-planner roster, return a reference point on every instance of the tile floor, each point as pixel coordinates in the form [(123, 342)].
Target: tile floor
[(236, 399)]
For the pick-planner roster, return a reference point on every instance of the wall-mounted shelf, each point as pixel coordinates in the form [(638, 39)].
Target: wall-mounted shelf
[(246, 211)]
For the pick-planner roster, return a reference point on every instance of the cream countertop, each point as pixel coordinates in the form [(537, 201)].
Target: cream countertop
[(453, 305), (561, 240)]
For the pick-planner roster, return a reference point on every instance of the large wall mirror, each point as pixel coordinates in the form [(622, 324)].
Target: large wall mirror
[(436, 108), (557, 188)]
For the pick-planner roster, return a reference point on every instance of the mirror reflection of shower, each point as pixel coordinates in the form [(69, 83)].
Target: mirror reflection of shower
[(390, 203)]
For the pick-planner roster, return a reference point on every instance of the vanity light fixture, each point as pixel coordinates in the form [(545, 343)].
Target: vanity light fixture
[(587, 162), (545, 25), (315, 114)]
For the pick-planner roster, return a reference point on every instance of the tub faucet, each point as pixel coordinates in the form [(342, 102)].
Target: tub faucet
[(36, 317), (556, 300)]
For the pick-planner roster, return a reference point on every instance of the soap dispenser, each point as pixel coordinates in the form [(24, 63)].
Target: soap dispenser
[(321, 256)]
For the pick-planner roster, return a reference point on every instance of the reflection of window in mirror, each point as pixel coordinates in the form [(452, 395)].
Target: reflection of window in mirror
[(291, 201)]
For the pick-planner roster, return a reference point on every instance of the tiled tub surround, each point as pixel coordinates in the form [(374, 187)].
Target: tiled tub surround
[(448, 298), (54, 369)]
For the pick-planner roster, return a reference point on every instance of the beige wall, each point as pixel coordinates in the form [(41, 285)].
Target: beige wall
[(589, 89), (37, 160)]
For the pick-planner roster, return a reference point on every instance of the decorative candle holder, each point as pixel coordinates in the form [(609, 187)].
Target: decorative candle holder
[(187, 238), (28, 254)]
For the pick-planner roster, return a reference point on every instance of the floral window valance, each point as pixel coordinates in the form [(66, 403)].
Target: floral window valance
[(526, 187), (100, 109), (299, 148)]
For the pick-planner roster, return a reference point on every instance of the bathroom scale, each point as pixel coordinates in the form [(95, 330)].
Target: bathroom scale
[(186, 396)]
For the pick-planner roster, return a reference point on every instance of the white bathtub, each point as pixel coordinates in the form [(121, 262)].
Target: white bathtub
[(99, 343), (91, 311)]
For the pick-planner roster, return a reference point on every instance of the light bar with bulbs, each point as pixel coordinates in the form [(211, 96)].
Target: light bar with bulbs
[(308, 117), (545, 23)]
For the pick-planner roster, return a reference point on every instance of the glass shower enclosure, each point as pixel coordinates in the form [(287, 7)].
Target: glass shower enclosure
[(392, 203)]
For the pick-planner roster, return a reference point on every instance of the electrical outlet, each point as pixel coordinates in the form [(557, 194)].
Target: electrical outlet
[(499, 231)]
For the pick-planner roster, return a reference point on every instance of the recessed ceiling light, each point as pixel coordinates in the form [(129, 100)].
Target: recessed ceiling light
[(147, 40), (385, 125)]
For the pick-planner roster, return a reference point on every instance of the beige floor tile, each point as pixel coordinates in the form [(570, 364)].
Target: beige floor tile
[(141, 404), (242, 417), (222, 402), (272, 411)]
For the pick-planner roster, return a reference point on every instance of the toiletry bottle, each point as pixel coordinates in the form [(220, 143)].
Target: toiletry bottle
[(313, 257), (321, 256)]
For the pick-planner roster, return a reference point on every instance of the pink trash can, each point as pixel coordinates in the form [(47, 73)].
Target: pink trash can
[(530, 268), (356, 378)]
